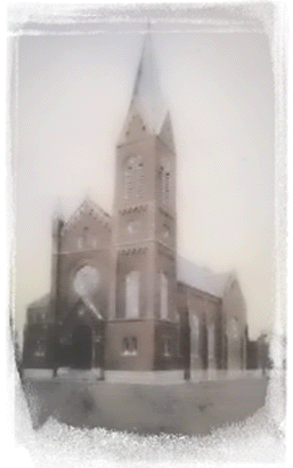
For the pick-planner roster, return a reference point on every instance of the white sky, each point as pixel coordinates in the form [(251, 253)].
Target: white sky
[(74, 92)]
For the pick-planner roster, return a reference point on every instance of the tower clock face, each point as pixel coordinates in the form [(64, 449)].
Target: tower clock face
[(86, 281)]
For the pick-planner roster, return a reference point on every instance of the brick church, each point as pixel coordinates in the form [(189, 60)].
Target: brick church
[(121, 298)]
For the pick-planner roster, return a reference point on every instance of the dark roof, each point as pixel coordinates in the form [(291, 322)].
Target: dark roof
[(42, 302), (202, 278)]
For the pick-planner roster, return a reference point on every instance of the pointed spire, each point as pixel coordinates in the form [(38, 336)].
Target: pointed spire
[(57, 218), (166, 134), (58, 211), (147, 98)]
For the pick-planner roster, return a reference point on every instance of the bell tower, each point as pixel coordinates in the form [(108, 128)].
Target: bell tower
[(143, 325)]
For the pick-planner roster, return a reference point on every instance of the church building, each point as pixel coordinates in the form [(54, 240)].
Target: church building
[(121, 298)]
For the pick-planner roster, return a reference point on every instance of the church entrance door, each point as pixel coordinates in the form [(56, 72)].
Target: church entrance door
[(82, 347)]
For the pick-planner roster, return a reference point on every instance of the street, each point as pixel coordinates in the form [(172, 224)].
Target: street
[(186, 408)]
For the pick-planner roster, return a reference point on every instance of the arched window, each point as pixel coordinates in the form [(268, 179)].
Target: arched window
[(164, 295), (211, 341), (195, 327), (128, 178), (83, 240), (132, 295), (166, 346), (233, 329), (133, 177), (165, 183), (139, 177)]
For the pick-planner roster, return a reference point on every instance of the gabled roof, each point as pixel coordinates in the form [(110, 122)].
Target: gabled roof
[(42, 302), (88, 207), (202, 278)]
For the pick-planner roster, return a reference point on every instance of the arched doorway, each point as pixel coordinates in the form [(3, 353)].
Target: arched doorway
[(82, 347)]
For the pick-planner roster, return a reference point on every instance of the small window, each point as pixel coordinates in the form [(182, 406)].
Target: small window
[(40, 349), (79, 243), (125, 346), (166, 346), (129, 346)]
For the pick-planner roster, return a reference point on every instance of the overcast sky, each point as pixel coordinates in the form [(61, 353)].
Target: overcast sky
[(73, 96)]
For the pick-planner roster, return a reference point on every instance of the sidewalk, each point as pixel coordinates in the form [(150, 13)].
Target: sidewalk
[(140, 377)]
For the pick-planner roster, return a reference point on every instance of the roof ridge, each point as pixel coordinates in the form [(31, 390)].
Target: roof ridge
[(202, 278)]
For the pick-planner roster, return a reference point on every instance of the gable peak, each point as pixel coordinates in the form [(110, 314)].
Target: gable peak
[(91, 208)]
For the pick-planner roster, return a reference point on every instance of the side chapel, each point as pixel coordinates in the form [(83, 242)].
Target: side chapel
[(121, 298)]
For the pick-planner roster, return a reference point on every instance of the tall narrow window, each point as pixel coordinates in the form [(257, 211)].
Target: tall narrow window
[(139, 176), (165, 183), (167, 187), (211, 341), (166, 346), (133, 177), (233, 329), (128, 178), (132, 295), (164, 295), (162, 182), (194, 335), (83, 241)]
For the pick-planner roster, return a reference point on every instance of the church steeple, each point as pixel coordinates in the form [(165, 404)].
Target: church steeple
[(147, 114), (147, 98), (143, 295)]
